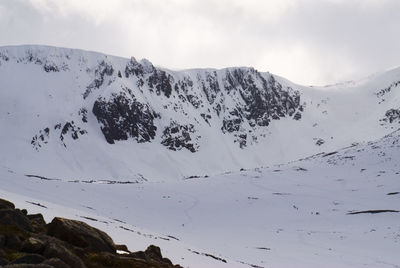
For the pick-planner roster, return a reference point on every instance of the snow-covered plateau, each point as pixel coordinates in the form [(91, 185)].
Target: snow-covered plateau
[(220, 168)]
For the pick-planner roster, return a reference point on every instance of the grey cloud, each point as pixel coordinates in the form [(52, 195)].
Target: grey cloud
[(304, 40)]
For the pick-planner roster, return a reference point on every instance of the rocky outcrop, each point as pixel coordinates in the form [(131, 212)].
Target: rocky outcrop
[(176, 136), (27, 242), (81, 235), (391, 116), (123, 117)]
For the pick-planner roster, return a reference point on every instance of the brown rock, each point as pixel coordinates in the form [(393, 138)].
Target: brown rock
[(3, 261), (13, 241), (29, 259), (33, 245), (2, 240), (6, 204), (28, 266), (122, 248), (57, 263), (54, 250), (15, 217), (81, 235), (153, 252), (37, 222)]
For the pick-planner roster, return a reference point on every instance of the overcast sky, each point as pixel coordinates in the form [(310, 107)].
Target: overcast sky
[(307, 41)]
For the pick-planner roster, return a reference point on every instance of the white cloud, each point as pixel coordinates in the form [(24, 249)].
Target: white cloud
[(307, 41)]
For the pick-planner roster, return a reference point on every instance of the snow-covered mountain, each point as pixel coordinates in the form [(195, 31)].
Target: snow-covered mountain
[(244, 168), (86, 115)]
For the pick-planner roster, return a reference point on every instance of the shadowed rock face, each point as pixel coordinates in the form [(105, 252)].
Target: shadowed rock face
[(64, 243), (122, 117)]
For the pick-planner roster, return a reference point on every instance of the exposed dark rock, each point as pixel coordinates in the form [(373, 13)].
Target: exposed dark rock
[(2, 241), (83, 113), (55, 250), (3, 261), (56, 263), (100, 72), (177, 136), (392, 116), (161, 81), (40, 139), (133, 68), (75, 131), (16, 217), (123, 117), (319, 142), (29, 259), (50, 67), (6, 204), (381, 93), (41, 265), (33, 245), (37, 222), (14, 241)]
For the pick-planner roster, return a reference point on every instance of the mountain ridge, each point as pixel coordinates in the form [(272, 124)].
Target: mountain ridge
[(195, 121)]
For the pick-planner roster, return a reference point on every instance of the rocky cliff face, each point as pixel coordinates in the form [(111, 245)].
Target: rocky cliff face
[(146, 101), (238, 99)]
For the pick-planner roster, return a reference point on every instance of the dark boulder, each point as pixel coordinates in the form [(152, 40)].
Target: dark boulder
[(15, 217), (13, 241), (2, 240), (6, 204), (54, 250), (57, 263), (81, 235), (37, 222), (3, 261), (122, 248), (41, 265), (29, 259), (33, 245)]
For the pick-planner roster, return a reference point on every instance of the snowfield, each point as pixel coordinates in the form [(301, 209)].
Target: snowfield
[(291, 215), (195, 162)]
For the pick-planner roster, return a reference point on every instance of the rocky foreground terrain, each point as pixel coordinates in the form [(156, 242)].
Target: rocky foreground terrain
[(26, 241)]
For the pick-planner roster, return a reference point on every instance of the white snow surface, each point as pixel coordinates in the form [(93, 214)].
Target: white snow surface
[(284, 208), (291, 215)]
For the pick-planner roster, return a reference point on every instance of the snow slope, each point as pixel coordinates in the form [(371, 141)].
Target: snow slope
[(84, 115), (291, 215)]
